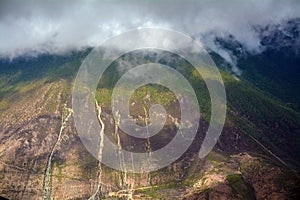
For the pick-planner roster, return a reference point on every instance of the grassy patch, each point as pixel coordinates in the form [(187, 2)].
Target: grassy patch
[(240, 189), (215, 158)]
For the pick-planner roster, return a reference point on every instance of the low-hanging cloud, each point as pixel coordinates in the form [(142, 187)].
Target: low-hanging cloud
[(34, 27)]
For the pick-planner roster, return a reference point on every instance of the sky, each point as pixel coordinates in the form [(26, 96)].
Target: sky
[(32, 27)]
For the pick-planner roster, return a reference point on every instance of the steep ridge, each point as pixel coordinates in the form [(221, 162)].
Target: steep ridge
[(35, 134)]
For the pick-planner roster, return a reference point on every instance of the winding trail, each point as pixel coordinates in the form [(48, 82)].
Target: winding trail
[(123, 182), (269, 151), (126, 185), (46, 195), (98, 193), (148, 145)]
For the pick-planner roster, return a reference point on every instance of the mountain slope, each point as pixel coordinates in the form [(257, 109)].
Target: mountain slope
[(255, 157)]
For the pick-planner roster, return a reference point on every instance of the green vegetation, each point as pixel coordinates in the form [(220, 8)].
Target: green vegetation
[(153, 191), (215, 158), (240, 189), (275, 72)]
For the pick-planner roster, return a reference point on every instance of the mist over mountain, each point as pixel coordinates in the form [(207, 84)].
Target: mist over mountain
[(34, 27)]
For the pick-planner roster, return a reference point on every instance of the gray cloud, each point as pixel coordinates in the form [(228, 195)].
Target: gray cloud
[(33, 27)]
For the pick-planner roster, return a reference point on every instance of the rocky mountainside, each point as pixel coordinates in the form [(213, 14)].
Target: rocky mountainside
[(256, 157)]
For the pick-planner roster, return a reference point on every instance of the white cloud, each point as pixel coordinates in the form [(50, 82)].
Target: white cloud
[(32, 27)]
